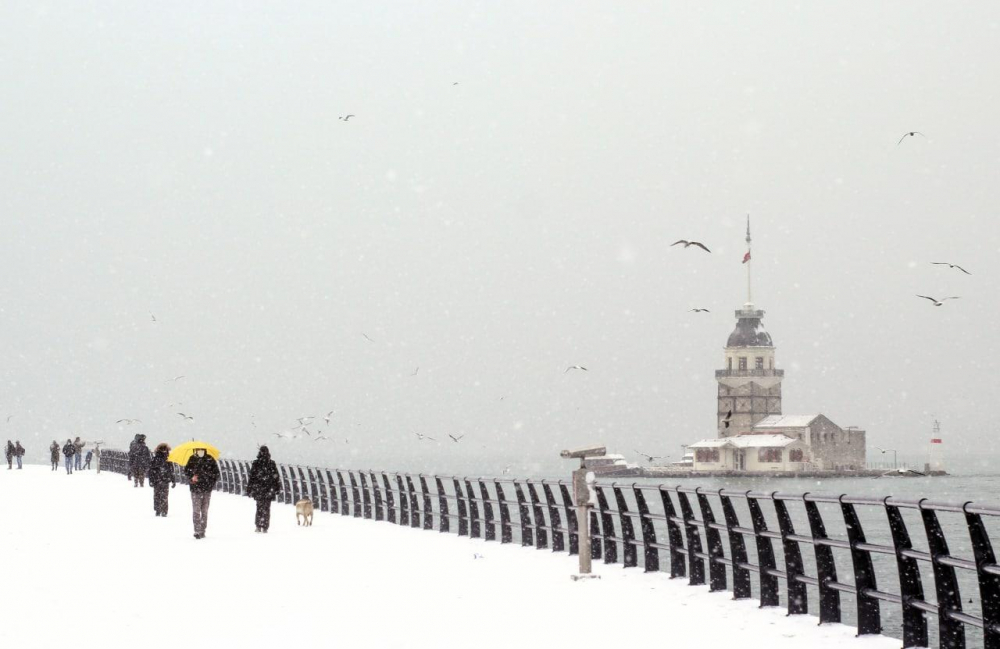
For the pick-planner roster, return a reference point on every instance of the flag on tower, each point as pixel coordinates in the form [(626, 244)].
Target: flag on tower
[(746, 257)]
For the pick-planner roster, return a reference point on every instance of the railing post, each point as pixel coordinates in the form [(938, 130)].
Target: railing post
[(475, 527), (678, 568), (444, 524), (463, 512), (716, 569), (404, 500), (989, 584), (286, 484), (695, 563), (377, 493), (345, 508), (630, 557), (524, 516), (737, 549), (506, 534), (798, 601), (365, 496), (951, 633), (607, 528), (334, 499), (869, 615), (355, 495), (541, 534), (650, 555), (555, 522), (826, 569), (428, 509), (390, 505), (324, 498), (594, 532), (489, 527), (414, 507), (571, 520)]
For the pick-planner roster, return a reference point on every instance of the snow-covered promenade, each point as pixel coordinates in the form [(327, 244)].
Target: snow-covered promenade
[(86, 564)]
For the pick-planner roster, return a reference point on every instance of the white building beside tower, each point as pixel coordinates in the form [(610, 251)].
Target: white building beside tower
[(753, 434)]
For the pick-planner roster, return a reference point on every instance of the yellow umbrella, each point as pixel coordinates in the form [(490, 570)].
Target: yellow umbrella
[(183, 452)]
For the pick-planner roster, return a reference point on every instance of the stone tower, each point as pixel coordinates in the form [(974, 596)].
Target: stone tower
[(749, 384)]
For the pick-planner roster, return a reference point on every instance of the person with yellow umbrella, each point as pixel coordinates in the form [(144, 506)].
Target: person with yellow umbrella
[(202, 470)]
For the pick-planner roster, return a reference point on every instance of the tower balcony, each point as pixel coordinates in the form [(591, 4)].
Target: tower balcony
[(723, 374)]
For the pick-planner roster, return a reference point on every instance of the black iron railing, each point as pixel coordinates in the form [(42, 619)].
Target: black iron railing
[(891, 558)]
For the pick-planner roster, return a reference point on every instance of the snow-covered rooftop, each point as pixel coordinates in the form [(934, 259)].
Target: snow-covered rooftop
[(711, 443), (745, 441), (785, 421)]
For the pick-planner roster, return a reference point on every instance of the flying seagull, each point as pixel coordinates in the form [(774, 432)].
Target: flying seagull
[(506, 470), (455, 439), (321, 437), (649, 457), (455, 83), (423, 437), (729, 415), (576, 367), (910, 134), (8, 418), (949, 265), (129, 422), (415, 371), (941, 301), (367, 338), (186, 417), (176, 378), (152, 316), (327, 418), (688, 244), (346, 117), (302, 421), (699, 311)]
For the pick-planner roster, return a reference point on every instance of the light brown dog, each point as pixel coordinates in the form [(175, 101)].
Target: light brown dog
[(304, 512)]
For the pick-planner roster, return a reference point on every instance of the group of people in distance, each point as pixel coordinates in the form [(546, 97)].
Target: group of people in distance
[(14, 452), (202, 471), (72, 450)]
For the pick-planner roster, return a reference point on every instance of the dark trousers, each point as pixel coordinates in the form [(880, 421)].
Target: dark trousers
[(263, 518), (160, 494), (199, 510), (140, 478)]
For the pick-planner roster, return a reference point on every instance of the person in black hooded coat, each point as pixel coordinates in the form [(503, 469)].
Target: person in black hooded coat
[(263, 485), (138, 460), (161, 479)]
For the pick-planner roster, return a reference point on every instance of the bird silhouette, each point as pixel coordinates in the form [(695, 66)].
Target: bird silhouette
[(729, 415), (700, 311), (650, 458), (506, 470), (367, 338), (345, 118), (910, 134), (327, 418), (152, 316), (176, 378), (688, 244), (950, 265), (129, 422), (423, 437), (415, 371), (455, 439), (576, 367), (941, 301), (186, 417), (321, 437)]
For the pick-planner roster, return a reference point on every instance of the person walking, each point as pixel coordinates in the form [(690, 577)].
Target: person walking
[(9, 454), (203, 472), (138, 460), (86, 462), (78, 457), (69, 451), (161, 479), (54, 453), (263, 485), (18, 453)]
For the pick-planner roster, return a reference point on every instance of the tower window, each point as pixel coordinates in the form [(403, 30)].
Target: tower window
[(760, 362), (743, 363), (729, 364)]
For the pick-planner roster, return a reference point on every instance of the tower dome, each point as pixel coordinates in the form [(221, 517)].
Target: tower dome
[(749, 331)]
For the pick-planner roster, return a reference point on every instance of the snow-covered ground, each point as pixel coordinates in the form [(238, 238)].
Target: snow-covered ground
[(85, 563)]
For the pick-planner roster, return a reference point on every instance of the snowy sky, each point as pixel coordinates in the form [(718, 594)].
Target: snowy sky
[(186, 160)]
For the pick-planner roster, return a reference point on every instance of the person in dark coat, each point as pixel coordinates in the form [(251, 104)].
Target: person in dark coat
[(161, 479), (78, 458), (18, 453), (263, 485), (54, 453), (138, 460), (69, 450), (203, 472), (10, 455), (86, 463)]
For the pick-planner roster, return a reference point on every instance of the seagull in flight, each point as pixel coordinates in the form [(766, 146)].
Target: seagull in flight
[(129, 422), (729, 415), (186, 417), (327, 418), (423, 437), (367, 338), (941, 301), (8, 418), (506, 470), (688, 244), (176, 378), (455, 439), (910, 134), (345, 118), (576, 367), (950, 265), (700, 311), (650, 458), (302, 421), (152, 316), (321, 437), (415, 371)]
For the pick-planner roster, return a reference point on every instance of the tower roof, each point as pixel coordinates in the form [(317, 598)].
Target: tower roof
[(749, 331)]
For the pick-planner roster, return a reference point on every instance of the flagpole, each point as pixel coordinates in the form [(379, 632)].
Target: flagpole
[(749, 262)]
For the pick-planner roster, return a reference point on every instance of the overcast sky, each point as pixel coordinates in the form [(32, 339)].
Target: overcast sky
[(186, 161)]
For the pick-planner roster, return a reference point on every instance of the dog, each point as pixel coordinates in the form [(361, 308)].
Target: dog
[(304, 512)]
